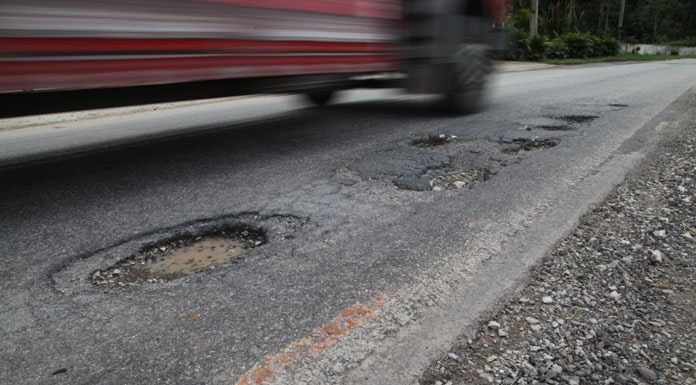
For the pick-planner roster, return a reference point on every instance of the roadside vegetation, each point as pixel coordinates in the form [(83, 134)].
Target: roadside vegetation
[(581, 31), (624, 57), (688, 42)]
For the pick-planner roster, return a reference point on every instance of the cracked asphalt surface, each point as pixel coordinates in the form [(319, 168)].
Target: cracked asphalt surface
[(615, 301), (365, 213)]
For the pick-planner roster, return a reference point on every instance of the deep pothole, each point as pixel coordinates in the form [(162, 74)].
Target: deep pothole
[(459, 179), (180, 256), (526, 145), (433, 140), (575, 118)]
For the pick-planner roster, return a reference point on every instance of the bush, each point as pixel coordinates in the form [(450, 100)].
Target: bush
[(557, 49), (520, 20), (578, 45), (537, 47), (520, 44), (607, 46), (572, 45)]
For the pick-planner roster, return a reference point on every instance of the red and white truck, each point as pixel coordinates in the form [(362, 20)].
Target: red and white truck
[(70, 54)]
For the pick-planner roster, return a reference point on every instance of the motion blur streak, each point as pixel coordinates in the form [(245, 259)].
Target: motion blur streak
[(64, 44)]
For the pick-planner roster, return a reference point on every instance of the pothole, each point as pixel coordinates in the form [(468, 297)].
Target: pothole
[(556, 128), (460, 179), (179, 257), (412, 183), (433, 140), (575, 118), (526, 145)]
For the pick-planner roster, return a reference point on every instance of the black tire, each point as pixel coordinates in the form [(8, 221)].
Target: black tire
[(470, 70), (320, 98)]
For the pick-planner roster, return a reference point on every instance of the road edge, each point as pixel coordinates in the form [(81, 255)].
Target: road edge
[(362, 354)]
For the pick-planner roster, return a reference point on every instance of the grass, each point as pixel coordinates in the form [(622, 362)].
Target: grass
[(617, 58)]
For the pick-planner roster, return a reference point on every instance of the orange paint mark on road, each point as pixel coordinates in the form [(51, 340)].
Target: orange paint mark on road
[(190, 316), (355, 311), (332, 329), (348, 319)]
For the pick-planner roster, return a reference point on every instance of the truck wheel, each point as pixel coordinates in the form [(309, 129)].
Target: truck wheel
[(471, 67), (320, 98)]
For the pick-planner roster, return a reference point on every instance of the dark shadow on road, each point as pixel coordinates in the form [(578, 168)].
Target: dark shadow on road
[(302, 130)]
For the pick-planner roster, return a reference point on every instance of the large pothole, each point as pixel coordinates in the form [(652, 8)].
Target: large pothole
[(202, 250), (181, 256)]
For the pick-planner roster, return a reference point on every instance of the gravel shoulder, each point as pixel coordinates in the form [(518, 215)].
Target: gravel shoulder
[(614, 303)]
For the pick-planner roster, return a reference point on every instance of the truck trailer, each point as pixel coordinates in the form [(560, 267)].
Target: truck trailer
[(60, 55)]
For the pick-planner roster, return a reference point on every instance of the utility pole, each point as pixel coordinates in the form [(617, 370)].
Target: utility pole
[(534, 20), (621, 18)]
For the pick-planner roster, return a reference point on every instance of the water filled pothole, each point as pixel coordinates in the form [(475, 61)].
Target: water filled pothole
[(179, 257)]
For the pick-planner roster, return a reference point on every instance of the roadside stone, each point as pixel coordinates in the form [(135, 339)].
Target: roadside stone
[(648, 374), (547, 300), (554, 371), (493, 325), (487, 376), (660, 233), (656, 256), (532, 320), (529, 369)]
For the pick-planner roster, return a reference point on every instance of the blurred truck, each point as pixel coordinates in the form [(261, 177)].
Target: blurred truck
[(58, 55)]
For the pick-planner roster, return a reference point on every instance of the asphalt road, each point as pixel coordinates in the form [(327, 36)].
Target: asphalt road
[(353, 212)]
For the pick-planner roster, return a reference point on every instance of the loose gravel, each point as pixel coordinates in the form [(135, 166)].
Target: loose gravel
[(615, 303)]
